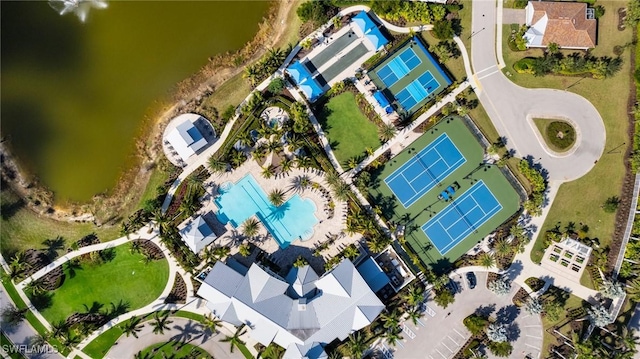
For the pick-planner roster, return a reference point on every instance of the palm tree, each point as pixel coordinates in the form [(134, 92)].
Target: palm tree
[(626, 339), (486, 260), (259, 154), (414, 295), (375, 244), (356, 345), (276, 197), (369, 151), (251, 73), (36, 287), (352, 163), (250, 227), (341, 192), (414, 314), (244, 250), (39, 340), (18, 264), (59, 329), (70, 341), (393, 335), (351, 252), (286, 165), (237, 157), (503, 248), (132, 326), (387, 132), (235, 340), (216, 165), (160, 323), (269, 171), (390, 319), (135, 247), (300, 183), (211, 323)]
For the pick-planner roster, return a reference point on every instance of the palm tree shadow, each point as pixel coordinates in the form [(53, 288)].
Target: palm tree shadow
[(279, 212)]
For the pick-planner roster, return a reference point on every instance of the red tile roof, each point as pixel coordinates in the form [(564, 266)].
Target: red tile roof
[(567, 24)]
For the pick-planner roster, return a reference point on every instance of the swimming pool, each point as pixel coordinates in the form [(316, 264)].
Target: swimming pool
[(293, 220)]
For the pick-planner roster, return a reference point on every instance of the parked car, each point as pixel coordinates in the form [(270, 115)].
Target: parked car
[(471, 280), (452, 286)]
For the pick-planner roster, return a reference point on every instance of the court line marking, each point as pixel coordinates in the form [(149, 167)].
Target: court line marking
[(433, 146), (468, 194)]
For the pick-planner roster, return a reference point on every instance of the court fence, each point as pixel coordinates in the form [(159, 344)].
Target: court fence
[(506, 171)]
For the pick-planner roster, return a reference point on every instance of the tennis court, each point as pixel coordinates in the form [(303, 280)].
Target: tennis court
[(425, 170), (462, 217), (399, 67), (417, 90)]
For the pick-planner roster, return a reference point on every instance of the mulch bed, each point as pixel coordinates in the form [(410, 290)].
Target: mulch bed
[(36, 259), (88, 240), (196, 284), (520, 297), (53, 280), (150, 249), (97, 319), (534, 283), (492, 277), (178, 294), (622, 15)]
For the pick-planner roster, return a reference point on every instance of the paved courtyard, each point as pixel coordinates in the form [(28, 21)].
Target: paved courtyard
[(441, 334)]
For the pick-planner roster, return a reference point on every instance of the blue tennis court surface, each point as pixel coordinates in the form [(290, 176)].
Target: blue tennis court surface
[(398, 67), (417, 90), (462, 217), (425, 170)]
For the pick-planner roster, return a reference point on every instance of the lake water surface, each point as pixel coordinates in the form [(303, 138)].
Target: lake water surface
[(75, 94)]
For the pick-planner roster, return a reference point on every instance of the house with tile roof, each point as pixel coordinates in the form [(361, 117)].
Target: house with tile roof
[(568, 24), (301, 313)]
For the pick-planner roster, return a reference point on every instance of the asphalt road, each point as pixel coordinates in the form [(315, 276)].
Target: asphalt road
[(512, 107), (22, 334)]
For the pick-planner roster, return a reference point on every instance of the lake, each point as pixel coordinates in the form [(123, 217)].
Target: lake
[(74, 95)]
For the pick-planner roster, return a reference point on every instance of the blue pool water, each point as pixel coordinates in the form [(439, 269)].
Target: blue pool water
[(293, 220)]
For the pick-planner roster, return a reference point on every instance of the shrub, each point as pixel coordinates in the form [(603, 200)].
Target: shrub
[(475, 323), (561, 134), (525, 66), (501, 349), (443, 30), (444, 297), (611, 204), (316, 11), (276, 85)]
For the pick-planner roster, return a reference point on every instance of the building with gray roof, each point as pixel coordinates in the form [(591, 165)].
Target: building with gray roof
[(301, 313)]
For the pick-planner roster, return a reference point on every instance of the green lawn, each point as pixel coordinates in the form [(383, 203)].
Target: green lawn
[(21, 228), (173, 349), (609, 96), (99, 347), (572, 302), (428, 205), (349, 132), (125, 278)]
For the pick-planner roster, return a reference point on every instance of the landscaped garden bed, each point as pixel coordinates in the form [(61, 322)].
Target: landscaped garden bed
[(178, 294), (559, 135), (125, 278), (534, 283)]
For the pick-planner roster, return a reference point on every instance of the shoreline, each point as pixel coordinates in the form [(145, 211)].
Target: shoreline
[(106, 208)]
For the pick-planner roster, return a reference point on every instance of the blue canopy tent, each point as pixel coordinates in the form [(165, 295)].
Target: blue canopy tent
[(382, 100), (304, 80), (370, 30)]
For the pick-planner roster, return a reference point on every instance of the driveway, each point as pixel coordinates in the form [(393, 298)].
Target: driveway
[(513, 16), (512, 107), (442, 335), (181, 328), (23, 333)]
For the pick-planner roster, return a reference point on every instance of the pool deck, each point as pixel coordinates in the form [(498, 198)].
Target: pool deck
[(323, 230)]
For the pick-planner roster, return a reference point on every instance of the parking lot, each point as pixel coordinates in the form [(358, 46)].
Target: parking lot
[(440, 334)]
